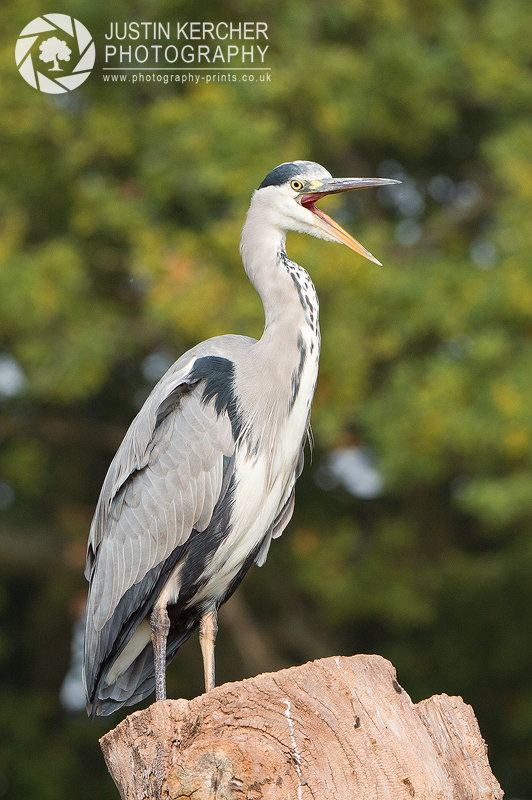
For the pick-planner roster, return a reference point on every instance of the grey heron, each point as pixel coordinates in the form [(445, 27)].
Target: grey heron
[(204, 478)]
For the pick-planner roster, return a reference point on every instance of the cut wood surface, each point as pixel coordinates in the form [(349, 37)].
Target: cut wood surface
[(336, 729)]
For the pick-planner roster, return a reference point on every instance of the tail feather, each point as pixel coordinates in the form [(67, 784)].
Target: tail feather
[(137, 682)]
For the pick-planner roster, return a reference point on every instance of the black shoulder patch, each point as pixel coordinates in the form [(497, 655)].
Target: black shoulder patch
[(282, 174), (218, 374)]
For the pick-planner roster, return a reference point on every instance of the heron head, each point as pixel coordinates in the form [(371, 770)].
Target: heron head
[(291, 190)]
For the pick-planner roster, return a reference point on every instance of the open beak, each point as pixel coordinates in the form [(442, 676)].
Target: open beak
[(334, 186)]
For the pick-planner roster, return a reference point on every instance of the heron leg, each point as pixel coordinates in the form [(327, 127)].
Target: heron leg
[(207, 637), (160, 625)]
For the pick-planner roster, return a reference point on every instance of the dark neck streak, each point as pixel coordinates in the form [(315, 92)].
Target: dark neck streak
[(305, 290)]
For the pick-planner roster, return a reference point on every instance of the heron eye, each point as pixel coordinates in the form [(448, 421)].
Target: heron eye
[(296, 185)]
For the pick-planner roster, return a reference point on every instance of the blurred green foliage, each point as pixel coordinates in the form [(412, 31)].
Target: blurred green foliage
[(120, 212)]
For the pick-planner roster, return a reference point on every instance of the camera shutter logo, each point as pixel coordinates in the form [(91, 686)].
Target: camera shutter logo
[(55, 53)]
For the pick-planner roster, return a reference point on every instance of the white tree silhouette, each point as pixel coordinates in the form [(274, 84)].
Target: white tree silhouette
[(52, 49)]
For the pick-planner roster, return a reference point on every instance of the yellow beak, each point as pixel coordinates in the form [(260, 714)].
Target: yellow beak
[(323, 221)]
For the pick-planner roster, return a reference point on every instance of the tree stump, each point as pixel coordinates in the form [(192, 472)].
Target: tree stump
[(335, 729)]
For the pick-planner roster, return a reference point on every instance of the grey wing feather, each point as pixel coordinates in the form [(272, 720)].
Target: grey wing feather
[(134, 452), (164, 480)]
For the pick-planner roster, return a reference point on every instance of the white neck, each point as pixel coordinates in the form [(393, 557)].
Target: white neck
[(288, 350), (261, 243)]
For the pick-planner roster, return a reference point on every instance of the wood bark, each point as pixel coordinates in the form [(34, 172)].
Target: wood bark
[(336, 729)]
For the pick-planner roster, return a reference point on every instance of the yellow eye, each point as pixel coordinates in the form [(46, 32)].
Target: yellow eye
[(296, 185)]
